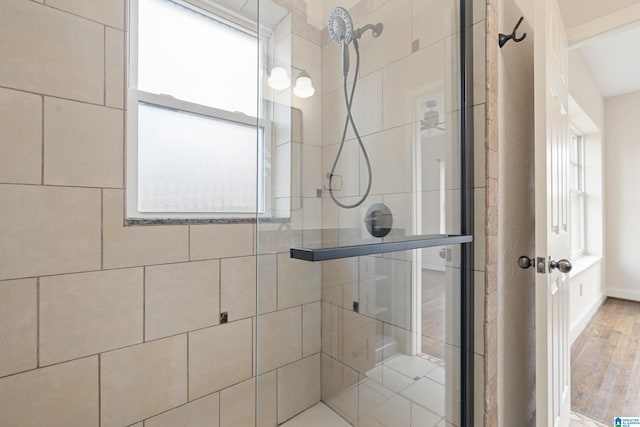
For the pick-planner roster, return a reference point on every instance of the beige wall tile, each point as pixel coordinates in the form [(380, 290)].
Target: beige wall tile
[(60, 395), (141, 381), (109, 12), (36, 38), (237, 405), (219, 357), (401, 80), (203, 412), (83, 144), (298, 387), (271, 238), (331, 329), (479, 67), (139, 245), (267, 400), (479, 235), (181, 297), (390, 154), (89, 313), (479, 146), (21, 142), (114, 70), (339, 271), (43, 232), (367, 106), (267, 283), (221, 241), (357, 340), (238, 287), (279, 338), (299, 282), (336, 377), (18, 326), (311, 327), (433, 21)]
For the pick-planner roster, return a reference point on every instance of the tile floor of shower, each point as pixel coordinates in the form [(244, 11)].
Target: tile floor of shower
[(404, 391)]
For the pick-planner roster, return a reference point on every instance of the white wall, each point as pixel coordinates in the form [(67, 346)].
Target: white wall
[(584, 90), (622, 228), (587, 295), (586, 113)]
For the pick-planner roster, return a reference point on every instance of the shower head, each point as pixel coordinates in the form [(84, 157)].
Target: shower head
[(340, 26)]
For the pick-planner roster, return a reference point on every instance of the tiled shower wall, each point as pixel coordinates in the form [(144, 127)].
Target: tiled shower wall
[(103, 324)]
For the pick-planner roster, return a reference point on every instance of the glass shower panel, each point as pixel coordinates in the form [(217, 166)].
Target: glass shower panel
[(394, 361), (374, 338)]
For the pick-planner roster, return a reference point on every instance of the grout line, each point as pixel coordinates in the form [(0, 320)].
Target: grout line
[(84, 18), (128, 268), (48, 95), (26, 184)]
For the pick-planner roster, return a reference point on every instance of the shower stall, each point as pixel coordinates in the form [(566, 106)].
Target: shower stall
[(351, 120), (369, 211)]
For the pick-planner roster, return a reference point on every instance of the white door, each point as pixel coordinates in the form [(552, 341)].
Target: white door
[(551, 229)]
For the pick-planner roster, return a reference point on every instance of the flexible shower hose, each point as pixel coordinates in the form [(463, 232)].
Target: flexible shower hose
[(349, 101)]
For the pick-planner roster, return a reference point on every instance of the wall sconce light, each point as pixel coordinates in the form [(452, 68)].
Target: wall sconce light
[(303, 88), (279, 80)]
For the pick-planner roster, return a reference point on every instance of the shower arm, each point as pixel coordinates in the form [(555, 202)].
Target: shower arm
[(376, 30)]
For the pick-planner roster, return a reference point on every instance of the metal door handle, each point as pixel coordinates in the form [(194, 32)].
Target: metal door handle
[(526, 262), (563, 265)]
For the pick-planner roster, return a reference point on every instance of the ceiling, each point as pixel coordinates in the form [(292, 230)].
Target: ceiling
[(614, 61)]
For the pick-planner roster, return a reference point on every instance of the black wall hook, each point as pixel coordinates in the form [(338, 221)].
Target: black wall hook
[(503, 38)]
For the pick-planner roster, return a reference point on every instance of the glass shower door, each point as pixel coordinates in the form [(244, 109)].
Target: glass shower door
[(364, 150)]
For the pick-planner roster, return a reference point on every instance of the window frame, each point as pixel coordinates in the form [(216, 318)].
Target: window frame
[(135, 96), (578, 195)]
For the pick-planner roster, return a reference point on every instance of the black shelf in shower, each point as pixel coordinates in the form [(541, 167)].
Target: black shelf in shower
[(395, 245)]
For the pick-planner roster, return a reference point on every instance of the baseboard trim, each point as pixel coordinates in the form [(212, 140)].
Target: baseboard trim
[(582, 323), (627, 294)]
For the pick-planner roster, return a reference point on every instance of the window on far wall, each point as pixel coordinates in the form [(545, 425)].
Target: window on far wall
[(576, 171), (197, 144)]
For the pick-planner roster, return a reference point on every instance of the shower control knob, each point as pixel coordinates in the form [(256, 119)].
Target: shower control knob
[(563, 265), (525, 262)]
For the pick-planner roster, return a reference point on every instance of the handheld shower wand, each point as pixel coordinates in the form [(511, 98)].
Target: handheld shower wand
[(342, 33)]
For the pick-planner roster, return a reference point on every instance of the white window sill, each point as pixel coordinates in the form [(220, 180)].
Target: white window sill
[(583, 263)]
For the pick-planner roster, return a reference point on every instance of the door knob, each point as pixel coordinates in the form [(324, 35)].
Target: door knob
[(525, 262), (563, 265)]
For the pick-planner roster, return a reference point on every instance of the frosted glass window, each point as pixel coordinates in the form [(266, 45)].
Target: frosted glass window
[(193, 163), (195, 58)]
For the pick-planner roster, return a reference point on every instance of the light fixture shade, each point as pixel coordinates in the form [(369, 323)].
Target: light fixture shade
[(303, 88), (278, 79)]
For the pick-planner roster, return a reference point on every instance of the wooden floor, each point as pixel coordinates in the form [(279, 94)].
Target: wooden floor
[(605, 364)]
